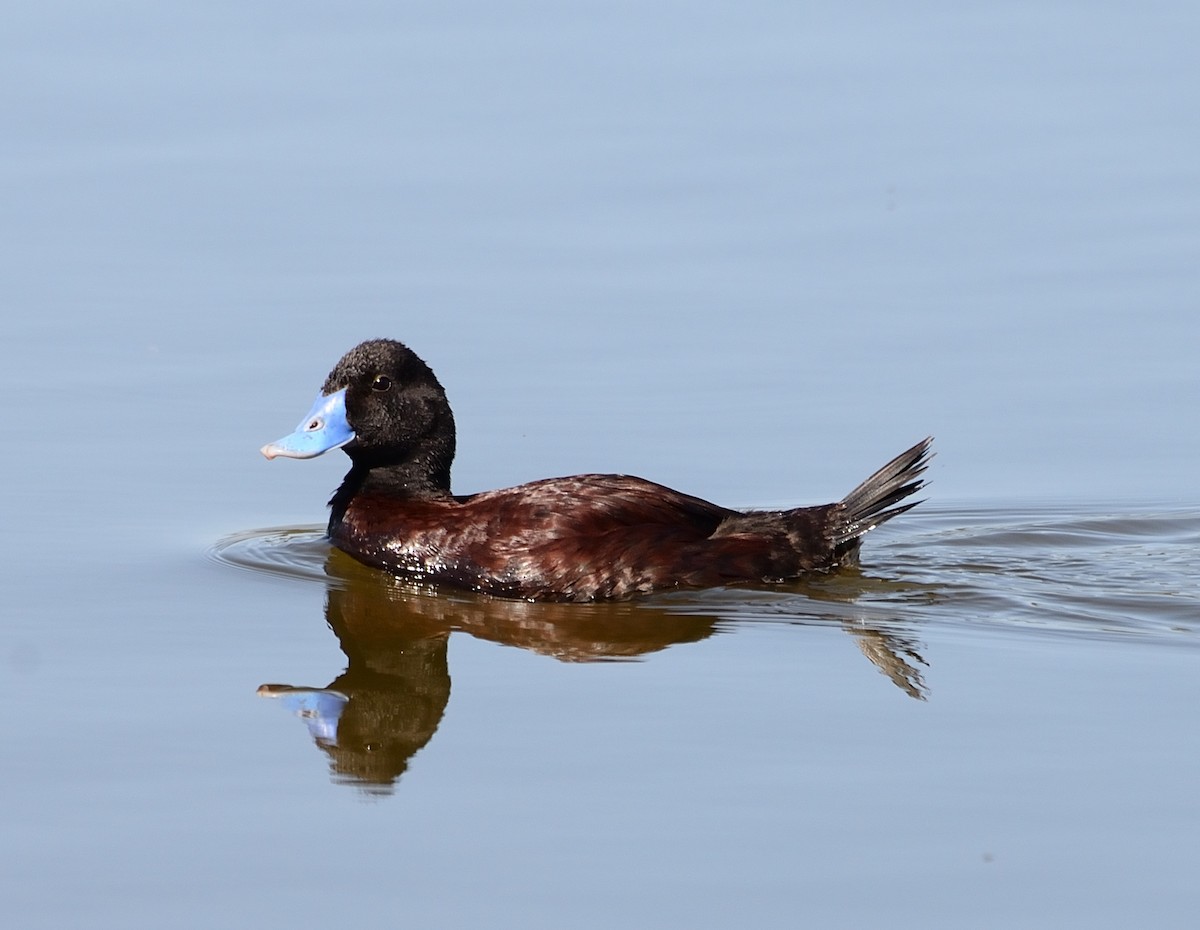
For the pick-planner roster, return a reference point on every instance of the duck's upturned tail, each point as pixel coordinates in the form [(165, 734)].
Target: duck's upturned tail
[(877, 499)]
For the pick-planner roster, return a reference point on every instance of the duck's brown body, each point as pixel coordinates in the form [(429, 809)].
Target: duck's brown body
[(581, 538)]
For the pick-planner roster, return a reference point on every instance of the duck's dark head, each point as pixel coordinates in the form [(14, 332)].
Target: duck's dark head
[(385, 409)]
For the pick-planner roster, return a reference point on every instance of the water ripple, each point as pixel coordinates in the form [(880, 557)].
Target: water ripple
[(1094, 573), (290, 551)]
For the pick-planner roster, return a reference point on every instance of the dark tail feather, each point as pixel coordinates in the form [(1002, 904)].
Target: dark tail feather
[(874, 501)]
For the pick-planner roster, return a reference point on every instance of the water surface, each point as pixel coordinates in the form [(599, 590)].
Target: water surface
[(750, 251)]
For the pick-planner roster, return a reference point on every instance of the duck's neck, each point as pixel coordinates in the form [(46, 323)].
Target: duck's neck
[(424, 475)]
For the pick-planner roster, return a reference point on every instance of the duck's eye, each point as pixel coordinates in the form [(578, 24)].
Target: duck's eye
[(381, 383)]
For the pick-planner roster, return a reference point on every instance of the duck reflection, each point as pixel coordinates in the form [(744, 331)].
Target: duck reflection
[(387, 704)]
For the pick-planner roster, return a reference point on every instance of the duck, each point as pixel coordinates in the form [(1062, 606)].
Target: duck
[(578, 538)]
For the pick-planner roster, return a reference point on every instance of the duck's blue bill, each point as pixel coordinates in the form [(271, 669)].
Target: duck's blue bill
[(323, 429)]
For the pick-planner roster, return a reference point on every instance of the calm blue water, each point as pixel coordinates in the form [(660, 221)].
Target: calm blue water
[(751, 251)]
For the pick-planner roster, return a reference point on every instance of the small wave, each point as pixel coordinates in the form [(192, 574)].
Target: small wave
[(1097, 572), (290, 551)]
